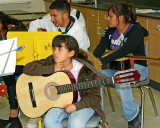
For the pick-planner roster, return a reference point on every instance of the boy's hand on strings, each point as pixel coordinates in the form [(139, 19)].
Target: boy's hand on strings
[(69, 108)]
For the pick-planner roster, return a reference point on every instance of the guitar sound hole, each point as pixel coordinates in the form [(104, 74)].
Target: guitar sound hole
[(50, 91)]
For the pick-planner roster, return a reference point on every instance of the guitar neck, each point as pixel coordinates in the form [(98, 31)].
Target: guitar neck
[(143, 58), (107, 52), (84, 85)]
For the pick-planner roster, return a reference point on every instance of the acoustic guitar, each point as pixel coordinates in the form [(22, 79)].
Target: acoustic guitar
[(124, 63), (37, 94)]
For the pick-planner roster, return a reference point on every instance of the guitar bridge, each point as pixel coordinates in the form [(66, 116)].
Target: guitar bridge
[(33, 100)]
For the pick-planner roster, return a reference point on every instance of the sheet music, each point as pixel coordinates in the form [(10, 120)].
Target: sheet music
[(8, 60)]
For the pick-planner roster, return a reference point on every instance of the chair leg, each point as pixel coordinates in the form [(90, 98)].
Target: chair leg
[(39, 122), (19, 113), (102, 99), (110, 98), (152, 100), (142, 106)]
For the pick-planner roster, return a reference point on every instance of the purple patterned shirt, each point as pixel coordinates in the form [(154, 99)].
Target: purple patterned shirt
[(117, 39)]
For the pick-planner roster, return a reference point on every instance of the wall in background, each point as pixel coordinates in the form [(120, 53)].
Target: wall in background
[(14, 1), (24, 5)]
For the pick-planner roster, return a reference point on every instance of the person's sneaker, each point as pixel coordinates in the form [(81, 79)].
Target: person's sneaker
[(32, 123), (136, 122), (10, 124)]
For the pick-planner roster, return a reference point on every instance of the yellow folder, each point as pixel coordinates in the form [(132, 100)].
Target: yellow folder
[(37, 45)]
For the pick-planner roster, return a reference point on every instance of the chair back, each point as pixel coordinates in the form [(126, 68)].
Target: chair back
[(146, 52), (146, 49)]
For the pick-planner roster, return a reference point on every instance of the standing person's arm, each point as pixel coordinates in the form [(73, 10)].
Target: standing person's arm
[(43, 23), (34, 25)]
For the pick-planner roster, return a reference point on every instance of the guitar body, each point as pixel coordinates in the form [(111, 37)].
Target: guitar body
[(119, 64), (44, 91)]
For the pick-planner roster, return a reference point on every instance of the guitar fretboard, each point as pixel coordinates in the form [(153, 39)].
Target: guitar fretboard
[(84, 85)]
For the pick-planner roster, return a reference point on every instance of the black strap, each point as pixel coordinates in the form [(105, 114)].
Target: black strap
[(98, 73), (67, 28), (78, 14)]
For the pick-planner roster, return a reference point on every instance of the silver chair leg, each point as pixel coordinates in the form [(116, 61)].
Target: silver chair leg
[(142, 106), (102, 99), (110, 98), (152, 100)]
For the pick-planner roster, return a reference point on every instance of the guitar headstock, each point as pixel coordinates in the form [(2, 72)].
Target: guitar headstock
[(3, 90), (127, 77)]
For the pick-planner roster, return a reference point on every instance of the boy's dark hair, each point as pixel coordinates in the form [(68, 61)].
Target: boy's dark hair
[(61, 5), (127, 10), (70, 43)]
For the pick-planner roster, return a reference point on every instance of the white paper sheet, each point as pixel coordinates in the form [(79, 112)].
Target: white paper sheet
[(7, 64)]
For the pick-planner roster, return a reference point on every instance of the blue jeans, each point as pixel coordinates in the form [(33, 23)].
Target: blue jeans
[(129, 106), (77, 119)]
